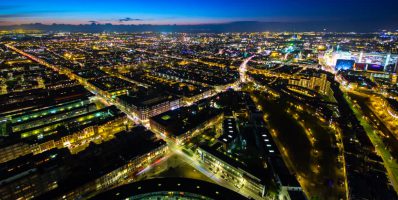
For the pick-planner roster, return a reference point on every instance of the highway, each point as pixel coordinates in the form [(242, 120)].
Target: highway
[(243, 69)]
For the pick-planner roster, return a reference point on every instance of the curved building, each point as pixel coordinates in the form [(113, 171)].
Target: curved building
[(170, 188)]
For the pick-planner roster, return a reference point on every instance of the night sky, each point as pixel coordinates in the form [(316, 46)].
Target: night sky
[(196, 11)]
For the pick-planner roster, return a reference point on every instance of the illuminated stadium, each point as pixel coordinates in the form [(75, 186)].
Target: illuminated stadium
[(362, 61), (170, 188)]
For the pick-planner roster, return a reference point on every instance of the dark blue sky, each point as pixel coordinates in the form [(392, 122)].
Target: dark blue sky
[(195, 11)]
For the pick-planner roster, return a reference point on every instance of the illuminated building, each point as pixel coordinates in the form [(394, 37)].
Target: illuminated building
[(27, 121), (235, 170), (196, 97), (373, 61), (230, 132), (185, 122), (62, 138), (57, 173), (19, 102), (32, 117), (148, 106), (12, 151), (110, 86), (50, 127), (319, 84)]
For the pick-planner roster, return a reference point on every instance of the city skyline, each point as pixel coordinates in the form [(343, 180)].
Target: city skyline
[(210, 99), (308, 13)]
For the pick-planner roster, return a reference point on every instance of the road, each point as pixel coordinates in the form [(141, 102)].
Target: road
[(195, 162), (243, 69), (305, 145), (369, 125), (174, 148)]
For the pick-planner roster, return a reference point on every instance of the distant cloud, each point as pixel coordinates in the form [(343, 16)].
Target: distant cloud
[(19, 14), (93, 22), (128, 19), (5, 16)]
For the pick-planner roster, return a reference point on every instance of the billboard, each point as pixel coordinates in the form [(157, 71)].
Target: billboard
[(375, 67), (343, 64), (360, 66)]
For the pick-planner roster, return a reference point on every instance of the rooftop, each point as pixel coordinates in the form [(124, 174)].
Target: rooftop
[(181, 186), (147, 100), (181, 120)]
